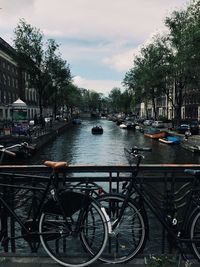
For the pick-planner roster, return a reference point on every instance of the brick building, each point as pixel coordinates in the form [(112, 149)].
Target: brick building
[(14, 84)]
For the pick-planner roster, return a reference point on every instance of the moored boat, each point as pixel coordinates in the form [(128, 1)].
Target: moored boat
[(123, 126), (195, 148), (76, 121), (155, 133), (170, 140)]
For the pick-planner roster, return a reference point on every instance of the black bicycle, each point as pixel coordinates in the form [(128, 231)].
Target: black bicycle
[(129, 219), (71, 226)]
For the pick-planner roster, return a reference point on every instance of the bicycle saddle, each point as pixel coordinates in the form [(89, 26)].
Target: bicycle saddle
[(56, 164)]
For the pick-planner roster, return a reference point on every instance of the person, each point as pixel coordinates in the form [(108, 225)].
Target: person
[(42, 121), (35, 120), (187, 134), (51, 120)]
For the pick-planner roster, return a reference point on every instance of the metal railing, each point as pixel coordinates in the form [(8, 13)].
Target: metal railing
[(168, 181)]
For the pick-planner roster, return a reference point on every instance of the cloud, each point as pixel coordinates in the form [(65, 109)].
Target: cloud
[(92, 34), (107, 19), (121, 62), (102, 86)]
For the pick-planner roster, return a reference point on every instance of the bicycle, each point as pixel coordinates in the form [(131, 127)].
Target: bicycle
[(130, 227), (71, 226), (23, 150)]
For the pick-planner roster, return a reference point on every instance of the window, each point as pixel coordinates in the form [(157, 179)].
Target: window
[(9, 81), (4, 78)]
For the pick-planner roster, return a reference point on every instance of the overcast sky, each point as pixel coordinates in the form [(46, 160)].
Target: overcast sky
[(98, 38)]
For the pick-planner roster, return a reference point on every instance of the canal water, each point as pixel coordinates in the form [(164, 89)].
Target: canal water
[(78, 145)]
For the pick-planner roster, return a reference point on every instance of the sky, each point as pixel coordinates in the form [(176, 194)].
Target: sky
[(97, 38)]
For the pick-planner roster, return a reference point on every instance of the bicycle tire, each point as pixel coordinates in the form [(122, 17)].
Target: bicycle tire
[(128, 239), (67, 248), (195, 233)]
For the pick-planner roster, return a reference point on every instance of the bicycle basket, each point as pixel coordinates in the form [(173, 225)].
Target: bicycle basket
[(72, 202)]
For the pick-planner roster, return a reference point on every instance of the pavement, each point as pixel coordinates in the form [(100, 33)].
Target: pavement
[(36, 261)]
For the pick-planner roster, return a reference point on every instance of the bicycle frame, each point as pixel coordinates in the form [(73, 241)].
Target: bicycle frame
[(155, 208), (145, 197), (51, 187), (14, 214)]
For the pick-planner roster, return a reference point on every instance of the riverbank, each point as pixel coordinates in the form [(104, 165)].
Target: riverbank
[(39, 137)]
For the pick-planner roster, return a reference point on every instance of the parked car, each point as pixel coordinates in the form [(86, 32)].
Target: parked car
[(47, 119), (193, 126), (148, 122), (158, 124), (31, 123), (183, 128)]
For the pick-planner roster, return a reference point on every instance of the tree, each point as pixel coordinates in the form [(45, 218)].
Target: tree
[(29, 46), (59, 73), (115, 99), (184, 36), (147, 79), (49, 72)]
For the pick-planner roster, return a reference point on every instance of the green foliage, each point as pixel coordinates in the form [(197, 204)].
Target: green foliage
[(171, 61), (28, 42), (50, 74), (158, 261)]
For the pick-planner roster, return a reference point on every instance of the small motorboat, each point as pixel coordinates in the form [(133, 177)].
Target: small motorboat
[(170, 140), (123, 126), (155, 133), (97, 129)]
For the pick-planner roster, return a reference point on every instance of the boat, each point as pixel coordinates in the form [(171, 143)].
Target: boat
[(123, 126), (97, 129), (195, 148), (130, 125), (155, 133), (127, 125), (170, 140), (76, 121)]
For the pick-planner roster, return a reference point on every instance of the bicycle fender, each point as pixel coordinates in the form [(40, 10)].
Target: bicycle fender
[(69, 201)]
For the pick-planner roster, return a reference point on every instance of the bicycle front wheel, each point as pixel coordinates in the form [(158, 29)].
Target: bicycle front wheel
[(130, 235), (66, 246), (195, 234)]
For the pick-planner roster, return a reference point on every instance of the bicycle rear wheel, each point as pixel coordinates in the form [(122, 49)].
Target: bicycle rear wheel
[(130, 235), (65, 246), (195, 233)]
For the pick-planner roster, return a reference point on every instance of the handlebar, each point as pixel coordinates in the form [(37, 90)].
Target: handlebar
[(7, 150), (10, 153), (26, 145)]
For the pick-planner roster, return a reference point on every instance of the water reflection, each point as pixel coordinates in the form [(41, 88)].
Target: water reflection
[(79, 146)]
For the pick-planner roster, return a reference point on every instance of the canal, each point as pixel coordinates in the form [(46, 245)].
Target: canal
[(78, 145)]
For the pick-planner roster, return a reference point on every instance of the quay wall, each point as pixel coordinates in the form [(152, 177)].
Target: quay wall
[(38, 138), (43, 139)]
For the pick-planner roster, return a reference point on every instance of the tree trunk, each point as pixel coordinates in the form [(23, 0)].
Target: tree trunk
[(154, 107)]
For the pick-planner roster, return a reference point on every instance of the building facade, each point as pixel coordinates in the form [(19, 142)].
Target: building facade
[(190, 110), (9, 79), (14, 84)]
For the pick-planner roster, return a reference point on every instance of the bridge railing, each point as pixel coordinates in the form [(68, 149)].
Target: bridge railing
[(165, 181)]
